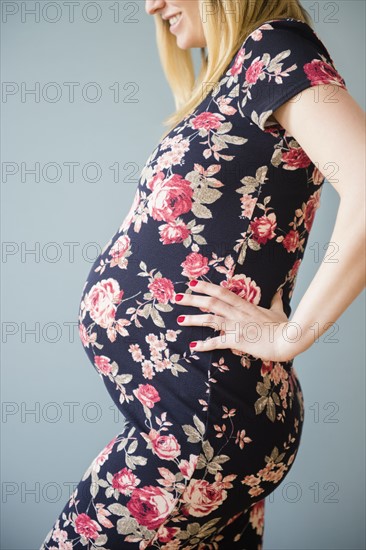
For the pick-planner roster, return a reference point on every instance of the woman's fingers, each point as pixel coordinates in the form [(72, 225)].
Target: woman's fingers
[(217, 342), (214, 321), (218, 291), (208, 303), (256, 341), (242, 325), (220, 300)]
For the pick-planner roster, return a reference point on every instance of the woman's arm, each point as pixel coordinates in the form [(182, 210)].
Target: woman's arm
[(332, 133), (330, 127)]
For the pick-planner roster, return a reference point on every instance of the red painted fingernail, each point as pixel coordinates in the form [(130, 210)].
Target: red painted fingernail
[(178, 297), (193, 282), (180, 319), (192, 344)]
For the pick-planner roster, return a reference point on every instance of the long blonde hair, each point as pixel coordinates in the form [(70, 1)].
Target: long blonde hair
[(226, 24)]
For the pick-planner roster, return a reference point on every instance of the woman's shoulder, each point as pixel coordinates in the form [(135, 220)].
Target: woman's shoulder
[(279, 59), (289, 31), (288, 23)]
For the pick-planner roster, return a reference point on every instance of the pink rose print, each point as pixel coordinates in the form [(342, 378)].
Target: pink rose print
[(169, 198), (59, 535), (257, 517), (125, 481), (173, 233), (311, 207), (83, 335), (291, 241), (162, 289), (151, 505), (101, 301), (166, 534), (207, 121), (87, 527), (295, 158), (147, 394), (102, 517), (175, 148), (257, 34), (195, 265), (237, 67), (86, 339), (103, 364), (254, 72), (263, 228), (244, 287), (201, 497), (224, 106), (103, 455), (247, 205), (266, 367), (118, 252), (318, 177), (187, 468), (320, 72), (295, 269), (164, 446)]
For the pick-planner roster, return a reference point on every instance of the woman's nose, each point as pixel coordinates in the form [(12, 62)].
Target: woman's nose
[(152, 6)]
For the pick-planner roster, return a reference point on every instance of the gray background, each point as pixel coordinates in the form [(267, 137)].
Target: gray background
[(320, 505)]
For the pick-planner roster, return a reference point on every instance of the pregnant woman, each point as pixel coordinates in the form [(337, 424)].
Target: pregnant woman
[(185, 314)]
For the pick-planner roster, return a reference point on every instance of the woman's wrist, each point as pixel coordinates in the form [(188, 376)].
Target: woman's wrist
[(295, 340)]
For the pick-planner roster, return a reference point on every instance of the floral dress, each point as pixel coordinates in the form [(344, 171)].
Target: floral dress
[(228, 196)]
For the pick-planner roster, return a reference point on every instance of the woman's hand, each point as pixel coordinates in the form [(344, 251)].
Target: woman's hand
[(244, 326)]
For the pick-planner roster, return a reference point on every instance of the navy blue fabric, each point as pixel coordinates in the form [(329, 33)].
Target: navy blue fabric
[(228, 197)]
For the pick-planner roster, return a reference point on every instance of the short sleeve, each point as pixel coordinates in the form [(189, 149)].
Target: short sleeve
[(278, 60)]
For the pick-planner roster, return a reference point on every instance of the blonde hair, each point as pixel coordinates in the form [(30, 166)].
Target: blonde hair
[(226, 24)]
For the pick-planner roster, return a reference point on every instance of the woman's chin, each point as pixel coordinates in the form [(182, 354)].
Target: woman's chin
[(185, 42)]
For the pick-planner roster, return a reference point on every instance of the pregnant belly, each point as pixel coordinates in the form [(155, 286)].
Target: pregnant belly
[(127, 313), (127, 324), (128, 327)]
